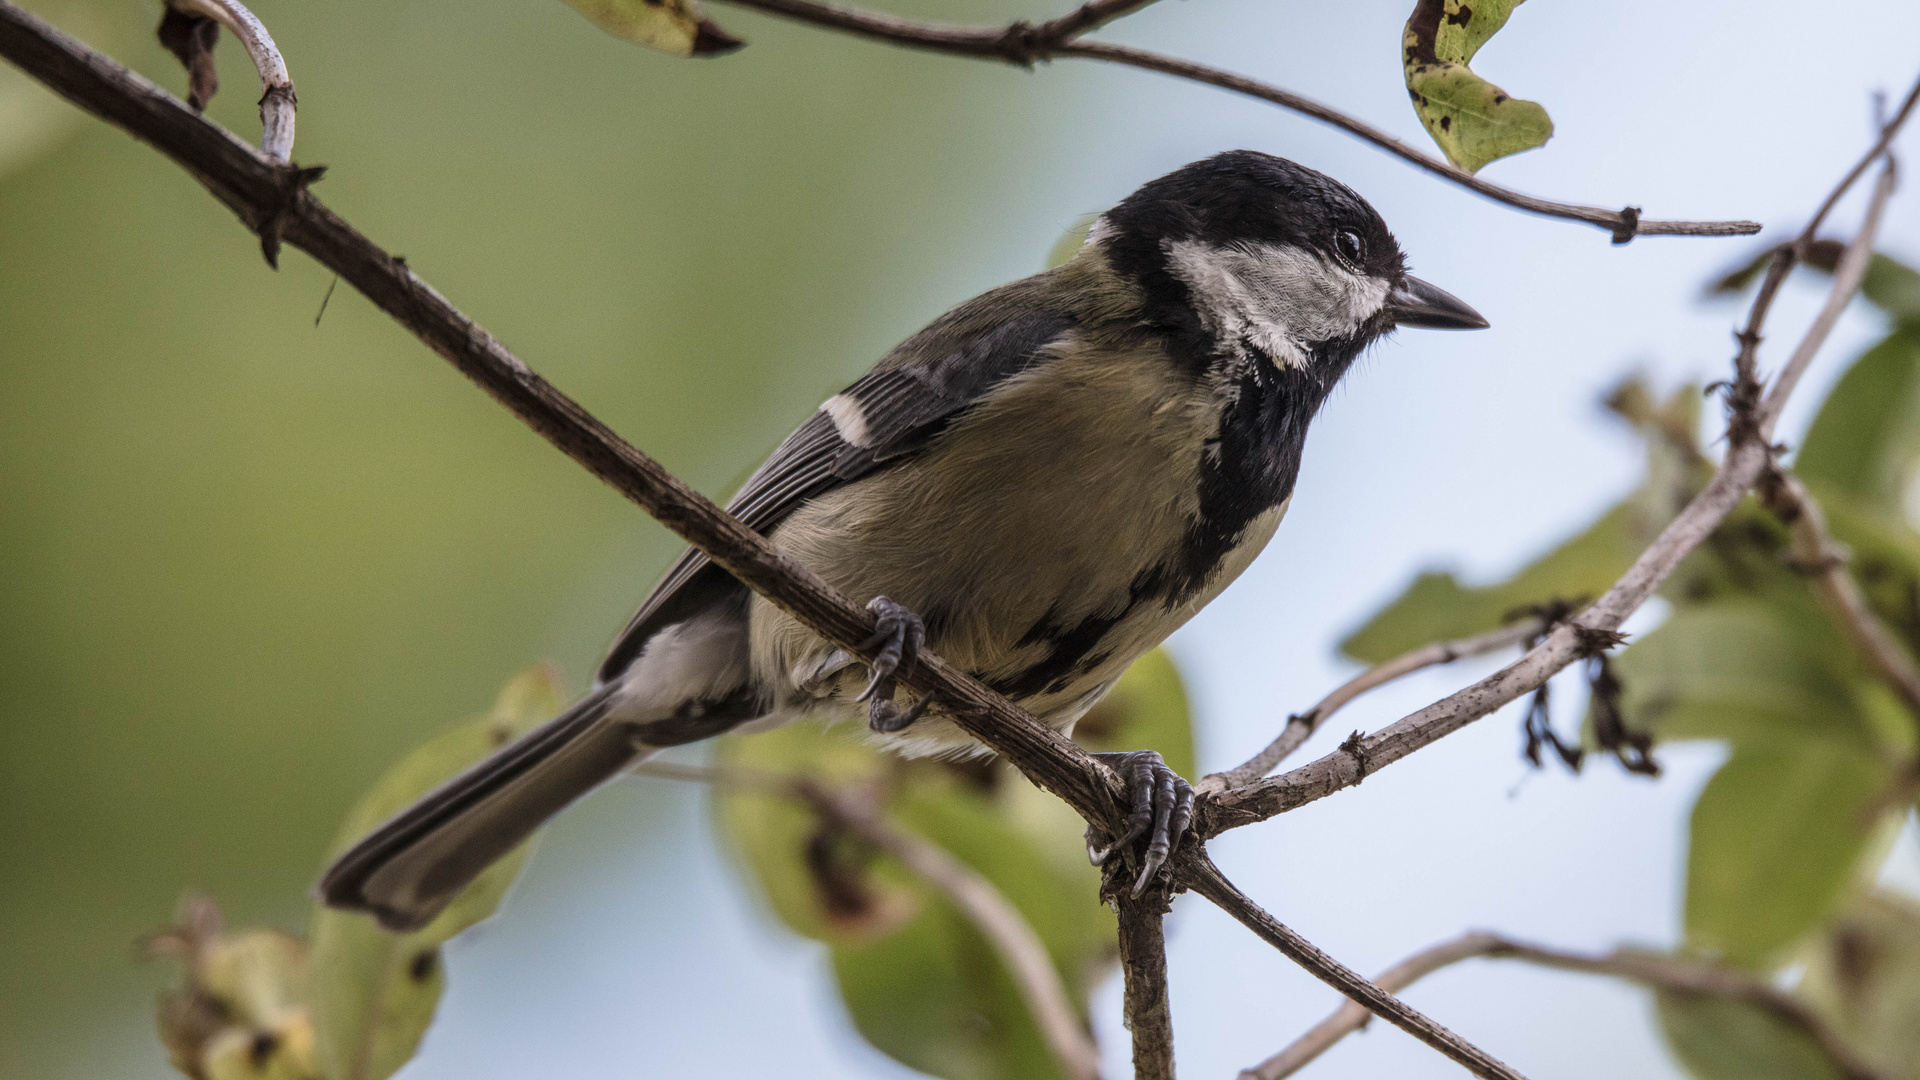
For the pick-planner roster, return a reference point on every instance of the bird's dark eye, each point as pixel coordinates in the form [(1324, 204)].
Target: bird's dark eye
[(1352, 250)]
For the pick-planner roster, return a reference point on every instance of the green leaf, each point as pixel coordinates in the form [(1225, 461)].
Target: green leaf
[(1727, 1038), (1863, 978), (1866, 439), (677, 27), (1472, 120), (1747, 671), (1893, 287), (1776, 838), (918, 981), (373, 993)]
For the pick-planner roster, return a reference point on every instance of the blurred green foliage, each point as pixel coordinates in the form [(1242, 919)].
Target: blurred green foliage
[(251, 562), (1785, 836), (919, 981)]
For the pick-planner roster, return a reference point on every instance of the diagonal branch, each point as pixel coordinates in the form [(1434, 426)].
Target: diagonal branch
[(1301, 726), (986, 907), (1025, 44), (1661, 972), (273, 200), (1206, 879)]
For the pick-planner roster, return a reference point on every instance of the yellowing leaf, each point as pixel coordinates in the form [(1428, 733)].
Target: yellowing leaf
[(1472, 120), (373, 993), (1863, 978), (241, 1014), (677, 27)]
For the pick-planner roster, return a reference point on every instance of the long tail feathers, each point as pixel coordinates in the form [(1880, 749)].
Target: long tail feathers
[(408, 870)]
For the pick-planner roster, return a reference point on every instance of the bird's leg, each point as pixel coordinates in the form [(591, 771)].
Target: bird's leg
[(1162, 810), (899, 635)]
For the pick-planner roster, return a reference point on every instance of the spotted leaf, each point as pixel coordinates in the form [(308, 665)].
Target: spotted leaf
[(1472, 120)]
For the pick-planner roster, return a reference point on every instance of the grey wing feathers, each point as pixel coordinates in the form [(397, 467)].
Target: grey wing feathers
[(904, 403), (408, 869)]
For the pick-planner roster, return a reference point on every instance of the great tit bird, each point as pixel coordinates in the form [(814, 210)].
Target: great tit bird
[(1040, 486)]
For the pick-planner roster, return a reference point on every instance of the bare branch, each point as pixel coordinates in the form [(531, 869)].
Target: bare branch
[(1301, 726), (1747, 460), (1089, 16), (1847, 275), (976, 898), (1623, 224), (1022, 44), (1143, 959), (1204, 878), (277, 99), (1661, 972), (273, 200)]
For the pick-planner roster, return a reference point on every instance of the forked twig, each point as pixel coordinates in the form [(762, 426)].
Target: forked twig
[(1301, 726)]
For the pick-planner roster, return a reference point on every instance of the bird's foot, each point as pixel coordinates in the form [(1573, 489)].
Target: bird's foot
[(1162, 810), (899, 635)]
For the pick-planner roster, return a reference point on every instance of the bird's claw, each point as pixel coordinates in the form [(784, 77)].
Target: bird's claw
[(1162, 810), (899, 635)]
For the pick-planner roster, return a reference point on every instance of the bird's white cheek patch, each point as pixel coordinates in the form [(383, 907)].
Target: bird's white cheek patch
[(1277, 297), (849, 420)]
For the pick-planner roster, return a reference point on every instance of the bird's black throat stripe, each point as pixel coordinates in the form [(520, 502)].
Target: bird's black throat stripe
[(1247, 468)]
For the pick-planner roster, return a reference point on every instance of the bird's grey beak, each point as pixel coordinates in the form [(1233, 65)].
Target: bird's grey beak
[(1417, 303)]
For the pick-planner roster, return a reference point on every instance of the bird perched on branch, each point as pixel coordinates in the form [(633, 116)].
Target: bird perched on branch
[(1040, 486)]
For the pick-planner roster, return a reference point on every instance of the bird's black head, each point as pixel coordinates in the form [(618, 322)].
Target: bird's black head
[(1257, 253)]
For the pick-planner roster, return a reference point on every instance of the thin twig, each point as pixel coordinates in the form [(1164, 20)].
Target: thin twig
[(1848, 273), (272, 199), (1662, 972), (1351, 1016), (1301, 726), (1206, 879), (1747, 460), (1024, 44), (986, 907), (277, 99)]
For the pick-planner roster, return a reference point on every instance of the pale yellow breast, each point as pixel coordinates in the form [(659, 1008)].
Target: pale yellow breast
[(1043, 503)]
